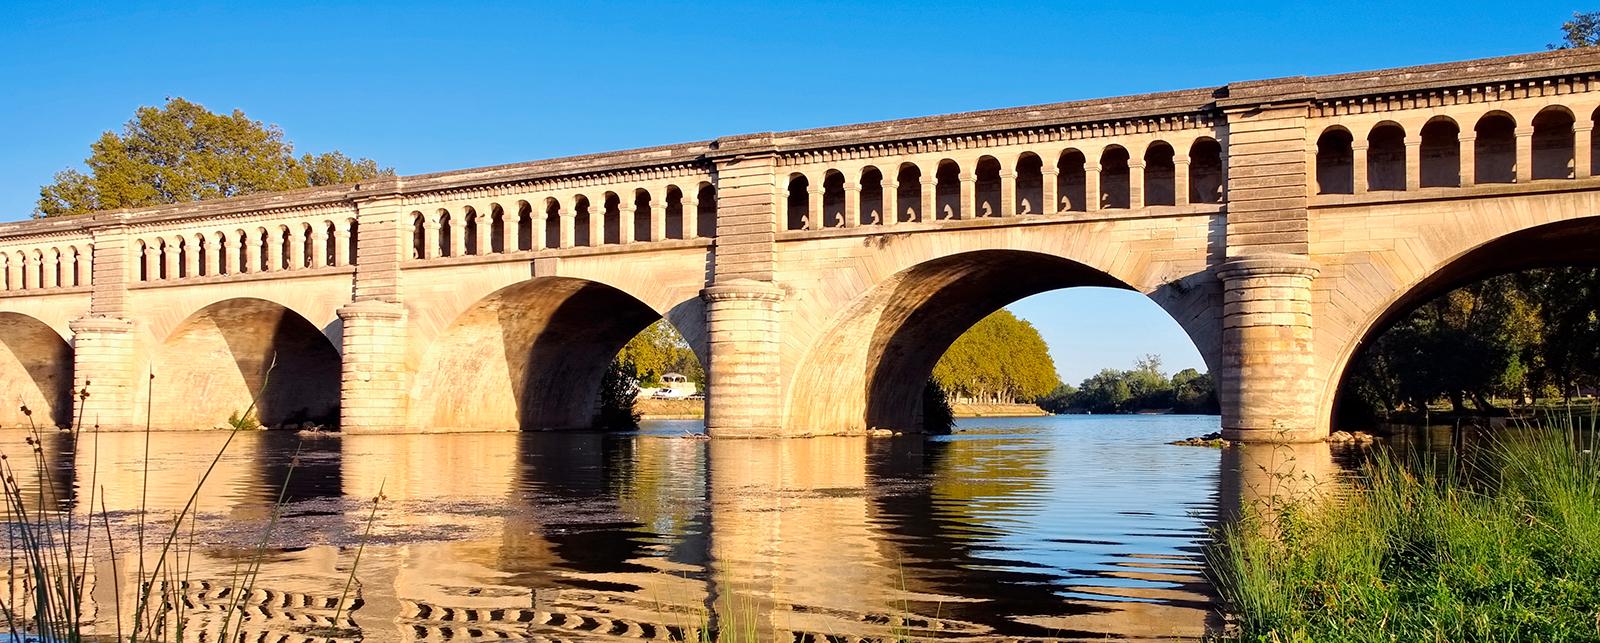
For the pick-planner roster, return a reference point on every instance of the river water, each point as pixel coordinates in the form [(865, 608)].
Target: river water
[(1056, 528)]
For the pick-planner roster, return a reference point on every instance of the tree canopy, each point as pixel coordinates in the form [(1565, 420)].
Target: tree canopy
[(658, 350), (182, 152), (1000, 359), (1583, 30)]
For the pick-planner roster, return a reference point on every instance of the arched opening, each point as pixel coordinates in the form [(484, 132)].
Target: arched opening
[(419, 236), (674, 213), (1160, 184), (1553, 141), (611, 219), (1495, 150), (871, 208), (447, 233), (1071, 183), (469, 231), (1030, 184), (497, 230), (1335, 162), (1386, 157), (706, 202), (643, 216), (236, 353), (1114, 177), (909, 199), (1205, 171), (35, 371), (552, 224), (1506, 323), (524, 239), (833, 207), (1440, 161), (800, 203), (582, 222), (947, 191), (870, 367), (530, 356), (987, 188)]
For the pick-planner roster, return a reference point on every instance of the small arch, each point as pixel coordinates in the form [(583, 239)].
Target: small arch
[(583, 214), (1495, 150), (833, 199), (674, 214), (611, 224), (643, 215), (1386, 157), (1114, 177), (1205, 171), (947, 191), (142, 259), (497, 229), (1071, 182), (1553, 143), (986, 187), (524, 227), (1336, 162), (706, 210), (871, 210), (552, 223), (1439, 161), (419, 236), (1160, 174), (1030, 184), (799, 205), (447, 232), (469, 231), (909, 197)]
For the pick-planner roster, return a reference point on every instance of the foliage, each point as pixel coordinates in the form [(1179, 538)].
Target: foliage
[(937, 418), (1512, 336), (658, 350), (1000, 359), (182, 152), (1503, 550), (1143, 388), (617, 393), (243, 422), (1583, 30)]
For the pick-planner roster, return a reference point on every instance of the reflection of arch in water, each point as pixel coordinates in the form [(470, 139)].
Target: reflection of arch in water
[(36, 371), (217, 362)]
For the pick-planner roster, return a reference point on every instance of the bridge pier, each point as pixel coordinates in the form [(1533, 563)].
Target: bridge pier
[(102, 363), (1268, 386)]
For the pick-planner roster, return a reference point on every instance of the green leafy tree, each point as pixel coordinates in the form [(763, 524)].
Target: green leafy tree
[(1000, 359), (182, 152), (1583, 30), (937, 417), (658, 350), (617, 395)]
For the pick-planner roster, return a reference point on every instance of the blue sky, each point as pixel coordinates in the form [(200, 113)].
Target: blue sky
[(428, 87)]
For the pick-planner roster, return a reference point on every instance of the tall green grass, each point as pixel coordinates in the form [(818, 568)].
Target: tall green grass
[(1500, 543)]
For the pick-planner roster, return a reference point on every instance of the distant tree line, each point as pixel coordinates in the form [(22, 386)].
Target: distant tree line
[(1506, 339), (1144, 388)]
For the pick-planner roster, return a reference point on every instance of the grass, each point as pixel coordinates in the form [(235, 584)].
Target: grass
[(1500, 543)]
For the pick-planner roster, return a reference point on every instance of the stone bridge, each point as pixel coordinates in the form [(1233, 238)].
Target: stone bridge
[(818, 274)]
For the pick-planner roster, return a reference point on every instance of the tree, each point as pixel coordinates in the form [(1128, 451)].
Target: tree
[(182, 152), (1583, 30), (658, 350), (1000, 359)]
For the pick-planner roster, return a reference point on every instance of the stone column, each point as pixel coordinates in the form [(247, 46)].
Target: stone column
[(510, 227), (745, 389), (691, 216), (625, 216), (658, 219), (169, 260), (152, 264), (103, 341), (1049, 200), (930, 198), (297, 247), (47, 269), (814, 210), (1469, 158), (458, 233), (1524, 154), (891, 202), (1135, 184), (1582, 149), (597, 225), (214, 262), (1008, 194), (319, 249), (482, 225), (341, 243), (1180, 179), (239, 247), (852, 204), (1358, 167), (968, 208), (191, 257), (13, 272), (1091, 186), (430, 236), (85, 266), (569, 227), (1268, 386), (1414, 163), (374, 383)]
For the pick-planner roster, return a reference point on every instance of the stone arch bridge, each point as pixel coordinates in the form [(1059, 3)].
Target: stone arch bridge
[(819, 274)]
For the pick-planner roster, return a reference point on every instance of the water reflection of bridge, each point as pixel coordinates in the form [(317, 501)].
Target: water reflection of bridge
[(566, 536)]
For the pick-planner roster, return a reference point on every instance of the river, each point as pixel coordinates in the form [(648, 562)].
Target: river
[(1064, 527)]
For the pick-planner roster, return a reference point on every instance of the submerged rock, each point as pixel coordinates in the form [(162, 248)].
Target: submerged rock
[(1351, 437), (1213, 440)]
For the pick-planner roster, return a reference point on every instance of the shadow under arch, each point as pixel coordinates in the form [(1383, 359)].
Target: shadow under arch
[(530, 356), (869, 368), (217, 361), (1573, 242), (35, 370)]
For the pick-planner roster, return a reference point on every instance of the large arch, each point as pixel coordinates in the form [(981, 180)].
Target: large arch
[(868, 367), (1570, 242), (36, 371), (530, 356), (237, 352)]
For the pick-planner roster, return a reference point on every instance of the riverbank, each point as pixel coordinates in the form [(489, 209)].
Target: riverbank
[(652, 409), (962, 410)]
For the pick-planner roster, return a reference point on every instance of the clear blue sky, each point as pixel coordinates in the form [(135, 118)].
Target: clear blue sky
[(428, 87)]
